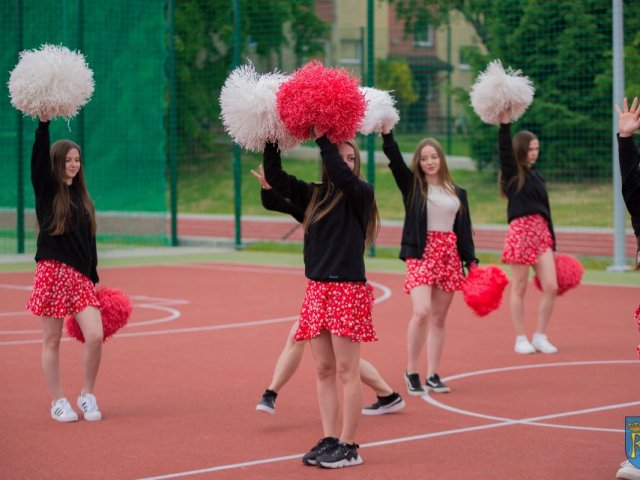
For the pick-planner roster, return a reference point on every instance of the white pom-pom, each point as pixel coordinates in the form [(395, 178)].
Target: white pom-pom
[(496, 90), (249, 112), (50, 82), (381, 113)]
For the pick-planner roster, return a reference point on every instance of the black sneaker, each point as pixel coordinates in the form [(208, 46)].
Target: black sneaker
[(311, 457), (268, 402), (342, 455), (414, 386), (390, 403), (434, 384)]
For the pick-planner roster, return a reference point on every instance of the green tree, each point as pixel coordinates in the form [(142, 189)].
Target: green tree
[(564, 47), (395, 76), (203, 41)]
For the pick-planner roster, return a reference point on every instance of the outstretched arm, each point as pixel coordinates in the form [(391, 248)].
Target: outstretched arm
[(628, 123)]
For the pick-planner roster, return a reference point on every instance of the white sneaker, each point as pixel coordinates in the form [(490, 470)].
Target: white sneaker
[(89, 407), (542, 344), (628, 472), (62, 411), (523, 345)]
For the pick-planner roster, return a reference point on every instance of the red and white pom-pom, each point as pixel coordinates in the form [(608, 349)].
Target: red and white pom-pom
[(381, 113), (569, 272), (327, 98), (483, 288), (636, 317), (51, 82), (115, 309), (249, 113), (496, 90)]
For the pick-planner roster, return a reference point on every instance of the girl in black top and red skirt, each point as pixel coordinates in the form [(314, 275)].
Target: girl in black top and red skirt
[(66, 267), (436, 242), (629, 158), (530, 239), (340, 218)]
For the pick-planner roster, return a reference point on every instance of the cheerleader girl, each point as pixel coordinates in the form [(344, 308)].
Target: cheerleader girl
[(629, 158), (340, 218), (388, 400), (530, 239), (436, 242), (66, 267)]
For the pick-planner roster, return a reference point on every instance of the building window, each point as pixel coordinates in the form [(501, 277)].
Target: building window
[(350, 52), (423, 36)]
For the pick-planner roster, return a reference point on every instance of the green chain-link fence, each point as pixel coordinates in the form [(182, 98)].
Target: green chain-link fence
[(159, 67)]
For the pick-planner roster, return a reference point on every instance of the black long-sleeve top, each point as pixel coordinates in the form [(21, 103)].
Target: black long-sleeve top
[(334, 246), (629, 159), (77, 246), (533, 198), (272, 200), (414, 229)]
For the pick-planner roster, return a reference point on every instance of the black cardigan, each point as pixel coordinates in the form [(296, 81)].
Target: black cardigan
[(414, 230), (77, 246), (334, 246), (533, 198), (629, 159)]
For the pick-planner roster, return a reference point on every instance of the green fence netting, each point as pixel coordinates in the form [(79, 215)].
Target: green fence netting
[(121, 130), (427, 52)]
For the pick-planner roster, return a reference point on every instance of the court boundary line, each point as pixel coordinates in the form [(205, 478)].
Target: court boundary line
[(529, 421)]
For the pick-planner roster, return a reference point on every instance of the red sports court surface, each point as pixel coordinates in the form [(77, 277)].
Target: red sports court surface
[(178, 386)]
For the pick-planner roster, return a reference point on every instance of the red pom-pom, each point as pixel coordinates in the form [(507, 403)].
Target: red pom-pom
[(636, 316), (483, 288), (115, 309), (327, 98), (638, 351), (569, 272)]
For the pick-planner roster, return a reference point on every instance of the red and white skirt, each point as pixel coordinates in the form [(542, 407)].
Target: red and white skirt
[(440, 265), (60, 290), (528, 237), (343, 308)]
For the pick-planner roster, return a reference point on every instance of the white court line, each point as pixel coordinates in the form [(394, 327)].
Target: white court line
[(531, 421), (534, 421)]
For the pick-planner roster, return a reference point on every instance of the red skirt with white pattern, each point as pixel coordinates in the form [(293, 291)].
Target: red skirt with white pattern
[(343, 308), (60, 290), (440, 265), (528, 237)]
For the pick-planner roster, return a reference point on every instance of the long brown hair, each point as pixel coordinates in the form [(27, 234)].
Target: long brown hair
[(319, 205), (61, 200), (444, 175), (521, 143)]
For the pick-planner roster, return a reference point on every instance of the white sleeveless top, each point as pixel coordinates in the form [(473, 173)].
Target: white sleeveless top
[(442, 207)]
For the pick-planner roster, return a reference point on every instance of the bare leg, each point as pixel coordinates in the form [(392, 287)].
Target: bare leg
[(546, 270), (51, 335), (347, 355), (288, 361), (440, 302), (417, 330), (91, 325), (519, 279), (370, 376), (327, 389)]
